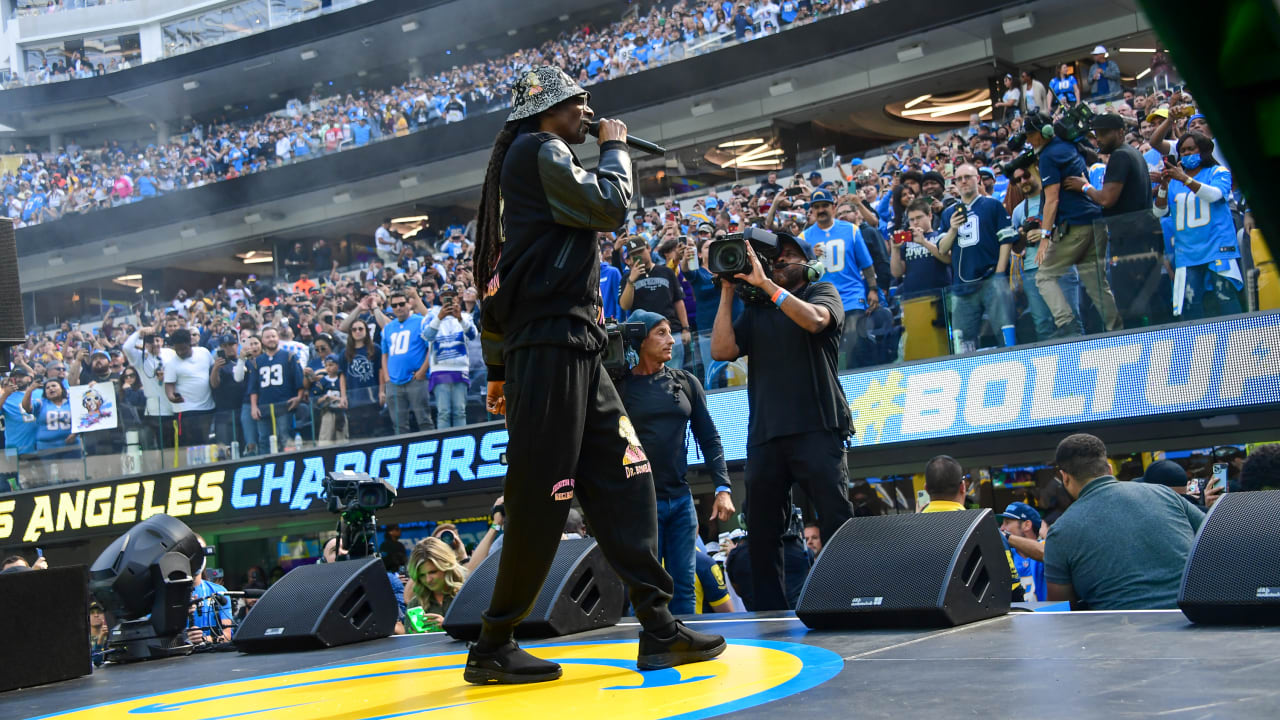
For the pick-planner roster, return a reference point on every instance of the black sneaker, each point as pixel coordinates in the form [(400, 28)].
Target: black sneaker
[(507, 665), (683, 646), (1065, 331)]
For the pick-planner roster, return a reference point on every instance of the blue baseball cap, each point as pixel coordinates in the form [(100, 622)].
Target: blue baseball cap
[(712, 202), (1022, 511), (1199, 116), (334, 358), (820, 196), (815, 174)]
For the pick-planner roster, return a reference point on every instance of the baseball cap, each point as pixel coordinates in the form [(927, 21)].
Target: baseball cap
[(712, 202), (1021, 511), (101, 352), (19, 370), (820, 196), (1165, 472), (1157, 114), (228, 339), (706, 227), (986, 171), (815, 174), (333, 358), (1108, 121), (1197, 116), (1099, 50)]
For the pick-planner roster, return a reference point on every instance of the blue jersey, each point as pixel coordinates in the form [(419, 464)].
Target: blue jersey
[(207, 613), (1203, 232), (19, 427), (275, 378), (845, 255), (1001, 188), (404, 348), (924, 272), (611, 290), (1097, 172), (976, 251), (1031, 573), (1060, 159), (53, 423), (1065, 90), (709, 588)]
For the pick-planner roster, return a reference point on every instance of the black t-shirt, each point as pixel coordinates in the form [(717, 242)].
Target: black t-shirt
[(659, 291), (229, 395), (1127, 166), (792, 387), (660, 408)]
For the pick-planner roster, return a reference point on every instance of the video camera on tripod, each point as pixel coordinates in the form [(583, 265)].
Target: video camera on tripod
[(354, 497)]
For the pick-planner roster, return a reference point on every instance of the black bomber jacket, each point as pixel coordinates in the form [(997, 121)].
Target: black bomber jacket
[(548, 290)]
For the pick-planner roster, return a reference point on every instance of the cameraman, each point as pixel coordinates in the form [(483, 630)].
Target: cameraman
[(647, 394), (799, 415), (1026, 218), (1077, 235)]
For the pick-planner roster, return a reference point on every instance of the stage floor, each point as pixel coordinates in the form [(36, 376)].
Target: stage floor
[(1023, 665)]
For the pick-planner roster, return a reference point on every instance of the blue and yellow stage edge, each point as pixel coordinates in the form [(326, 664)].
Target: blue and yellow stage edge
[(600, 680)]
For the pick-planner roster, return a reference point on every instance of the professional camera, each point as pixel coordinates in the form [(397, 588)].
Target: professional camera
[(622, 337), (355, 497), (727, 257), (1026, 155)]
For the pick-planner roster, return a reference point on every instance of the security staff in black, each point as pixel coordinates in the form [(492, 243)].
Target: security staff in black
[(538, 259), (799, 416)]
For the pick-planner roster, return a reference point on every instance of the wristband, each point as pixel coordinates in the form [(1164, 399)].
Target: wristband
[(780, 297), (1162, 192), (1087, 187)]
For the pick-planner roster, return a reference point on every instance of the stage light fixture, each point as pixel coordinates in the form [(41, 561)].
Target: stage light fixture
[(144, 579)]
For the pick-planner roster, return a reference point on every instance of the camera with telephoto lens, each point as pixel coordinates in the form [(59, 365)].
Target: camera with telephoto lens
[(728, 257), (1026, 155)]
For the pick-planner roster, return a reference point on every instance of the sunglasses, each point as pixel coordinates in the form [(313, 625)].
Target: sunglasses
[(399, 304), (357, 327)]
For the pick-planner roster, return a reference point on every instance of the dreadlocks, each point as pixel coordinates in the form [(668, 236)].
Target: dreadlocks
[(489, 219)]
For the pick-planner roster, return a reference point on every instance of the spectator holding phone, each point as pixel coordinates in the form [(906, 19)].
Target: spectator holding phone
[(979, 242), (1200, 234), (917, 264), (435, 577), (447, 334)]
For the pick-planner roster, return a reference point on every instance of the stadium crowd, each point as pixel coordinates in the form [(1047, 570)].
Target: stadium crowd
[(934, 241), (46, 185)]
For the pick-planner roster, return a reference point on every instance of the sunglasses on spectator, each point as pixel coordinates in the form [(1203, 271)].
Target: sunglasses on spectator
[(398, 304)]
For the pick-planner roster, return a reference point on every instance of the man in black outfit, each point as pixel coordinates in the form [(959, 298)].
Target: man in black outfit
[(799, 416), (538, 260), (1133, 230)]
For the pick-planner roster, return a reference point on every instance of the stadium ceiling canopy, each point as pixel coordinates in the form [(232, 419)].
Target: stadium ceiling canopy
[(250, 69)]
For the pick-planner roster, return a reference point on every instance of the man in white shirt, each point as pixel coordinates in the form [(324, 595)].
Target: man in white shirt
[(387, 245), (144, 351), (186, 385)]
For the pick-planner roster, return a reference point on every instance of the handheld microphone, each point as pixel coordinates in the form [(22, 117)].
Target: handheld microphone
[(593, 128)]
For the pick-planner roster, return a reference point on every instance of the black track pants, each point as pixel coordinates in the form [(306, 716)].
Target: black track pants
[(569, 438)]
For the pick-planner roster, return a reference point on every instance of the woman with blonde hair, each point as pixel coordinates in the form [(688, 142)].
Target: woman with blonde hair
[(435, 576)]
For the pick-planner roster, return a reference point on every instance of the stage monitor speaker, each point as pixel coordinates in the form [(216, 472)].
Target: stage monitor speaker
[(12, 327), (46, 637), (316, 606), (920, 570), (580, 593), (1233, 571)]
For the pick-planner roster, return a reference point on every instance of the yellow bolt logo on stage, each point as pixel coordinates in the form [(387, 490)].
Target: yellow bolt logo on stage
[(600, 680)]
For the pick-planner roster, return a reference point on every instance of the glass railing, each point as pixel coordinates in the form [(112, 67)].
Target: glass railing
[(1126, 280)]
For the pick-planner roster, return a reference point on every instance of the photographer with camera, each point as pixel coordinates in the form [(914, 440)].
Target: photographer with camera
[(147, 354), (647, 394), (447, 334), (799, 417), (1026, 218), (1077, 235)]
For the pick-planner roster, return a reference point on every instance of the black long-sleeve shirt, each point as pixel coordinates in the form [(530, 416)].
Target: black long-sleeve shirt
[(660, 409)]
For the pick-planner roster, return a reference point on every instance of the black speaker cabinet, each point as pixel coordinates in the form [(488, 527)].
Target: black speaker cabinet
[(46, 636), (1233, 571), (317, 606), (580, 593), (920, 570)]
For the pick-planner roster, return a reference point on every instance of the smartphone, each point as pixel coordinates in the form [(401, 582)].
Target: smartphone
[(1172, 159), (1220, 476), (39, 552), (793, 191), (922, 499), (901, 237)]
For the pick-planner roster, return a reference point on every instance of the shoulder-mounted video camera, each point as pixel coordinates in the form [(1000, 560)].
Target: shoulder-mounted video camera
[(622, 338), (728, 257), (1072, 127)]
